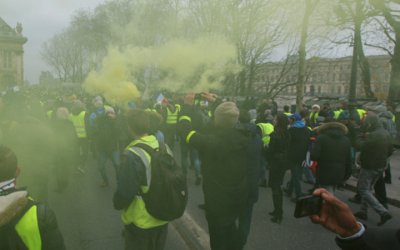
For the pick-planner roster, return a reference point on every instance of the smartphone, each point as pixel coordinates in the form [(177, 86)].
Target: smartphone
[(308, 205)]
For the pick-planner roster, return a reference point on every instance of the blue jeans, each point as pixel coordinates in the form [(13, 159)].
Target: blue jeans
[(294, 183), (102, 158), (366, 182), (189, 152)]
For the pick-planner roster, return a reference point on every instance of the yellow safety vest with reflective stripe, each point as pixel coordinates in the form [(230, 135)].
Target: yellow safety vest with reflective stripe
[(287, 114), (266, 130), (337, 113), (49, 114), (361, 113), (27, 229), (185, 117), (172, 117), (151, 110), (315, 117), (136, 212), (79, 124)]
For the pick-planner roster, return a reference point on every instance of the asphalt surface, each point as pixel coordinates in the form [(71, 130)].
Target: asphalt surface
[(88, 220), (86, 215)]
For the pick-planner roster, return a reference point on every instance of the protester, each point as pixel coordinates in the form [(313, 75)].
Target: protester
[(24, 223), (332, 151), (299, 141), (142, 231), (223, 155), (374, 151), (277, 156)]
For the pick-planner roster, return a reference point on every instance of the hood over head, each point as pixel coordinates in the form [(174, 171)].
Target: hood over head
[(332, 128), (11, 205)]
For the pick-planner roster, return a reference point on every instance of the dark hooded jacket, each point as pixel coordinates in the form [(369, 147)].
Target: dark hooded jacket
[(333, 154), (13, 206), (376, 147), (224, 159)]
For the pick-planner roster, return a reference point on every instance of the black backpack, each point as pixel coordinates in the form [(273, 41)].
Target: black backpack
[(168, 193)]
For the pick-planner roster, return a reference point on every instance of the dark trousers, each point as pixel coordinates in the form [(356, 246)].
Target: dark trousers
[(245, 222), (145, 239), (224, 237), (277, 174)]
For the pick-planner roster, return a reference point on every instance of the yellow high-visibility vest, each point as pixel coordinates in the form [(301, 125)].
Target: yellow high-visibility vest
[(185, 117), (172, 117), (136, 212), (79, 124), (266, 130), (27, 229)]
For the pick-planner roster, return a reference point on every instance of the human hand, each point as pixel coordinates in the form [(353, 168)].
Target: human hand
[(335, 215)]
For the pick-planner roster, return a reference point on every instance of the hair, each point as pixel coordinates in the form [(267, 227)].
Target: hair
[(286, 108), (155, 121), (138, 121), (8, 163), (282, 123), (244, 116)]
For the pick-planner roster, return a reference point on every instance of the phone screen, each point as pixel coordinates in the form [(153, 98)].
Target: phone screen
[(308, 205)]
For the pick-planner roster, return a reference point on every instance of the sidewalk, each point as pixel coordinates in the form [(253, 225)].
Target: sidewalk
[(393, 189)]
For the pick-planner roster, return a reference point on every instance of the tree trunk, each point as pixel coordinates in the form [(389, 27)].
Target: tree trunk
[(302, 57), (354, 62), (252, 70), (394, 87)]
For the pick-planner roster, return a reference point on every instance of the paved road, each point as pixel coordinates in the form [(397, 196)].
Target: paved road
[(292, 233), (87, 218)]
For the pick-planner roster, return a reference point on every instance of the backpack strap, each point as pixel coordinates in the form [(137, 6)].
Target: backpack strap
[(139, 151)]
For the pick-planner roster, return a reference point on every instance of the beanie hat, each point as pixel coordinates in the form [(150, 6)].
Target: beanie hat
[(226, 115), (295, 117)]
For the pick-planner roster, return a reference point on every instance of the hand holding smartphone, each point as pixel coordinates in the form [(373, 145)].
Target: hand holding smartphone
[(308, 205)]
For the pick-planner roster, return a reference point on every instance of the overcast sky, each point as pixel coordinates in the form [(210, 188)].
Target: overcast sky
[(40, 19)]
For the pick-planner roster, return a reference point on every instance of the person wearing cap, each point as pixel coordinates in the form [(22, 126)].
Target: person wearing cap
[(314, 116), (107, 143), (299, 143), (223, 153)]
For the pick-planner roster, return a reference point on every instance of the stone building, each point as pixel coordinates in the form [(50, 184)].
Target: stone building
[(11, 55), (326, 76)]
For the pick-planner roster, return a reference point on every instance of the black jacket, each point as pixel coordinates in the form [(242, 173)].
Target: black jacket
[(373, 239), (332, 151), (376, 146), (299, 141), (223, 154), (50, 235)]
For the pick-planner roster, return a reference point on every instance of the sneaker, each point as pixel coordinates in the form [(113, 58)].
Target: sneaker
[(384, 218), (355, 200), (104, 184), (198, 181), (81, 170), (263, 183), (361, 215)]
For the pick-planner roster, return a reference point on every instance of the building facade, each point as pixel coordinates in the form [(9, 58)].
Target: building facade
[(326, 76), (11, 55)]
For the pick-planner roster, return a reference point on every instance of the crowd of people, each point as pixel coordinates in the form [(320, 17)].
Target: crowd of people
[(234, 148)]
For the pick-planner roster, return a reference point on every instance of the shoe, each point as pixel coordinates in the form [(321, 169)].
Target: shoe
[(287, 192), (384, 218), (263, 183), (202, 206), (276, 219), (198, 181), (273, 213), (355, 200), (104, 184), (361, 215)]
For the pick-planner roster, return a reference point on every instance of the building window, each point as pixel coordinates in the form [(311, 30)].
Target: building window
[(319, 89), (7, 59)]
